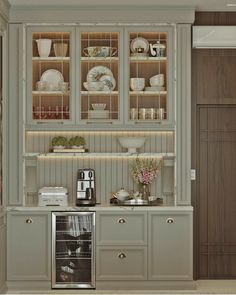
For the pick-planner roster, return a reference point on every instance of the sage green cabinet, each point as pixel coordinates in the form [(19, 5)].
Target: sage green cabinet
[(50, 75), (29, 246), (153, 245), (62, 61), (121, 228), (2, 251), (121, 263), (170, 246)]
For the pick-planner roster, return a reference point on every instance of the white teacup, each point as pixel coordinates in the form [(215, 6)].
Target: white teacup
[(137, 84)]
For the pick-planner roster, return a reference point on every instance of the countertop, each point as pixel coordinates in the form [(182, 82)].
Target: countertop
[(102, 207)]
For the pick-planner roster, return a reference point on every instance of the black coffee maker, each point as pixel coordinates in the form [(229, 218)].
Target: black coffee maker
[(86, 192)]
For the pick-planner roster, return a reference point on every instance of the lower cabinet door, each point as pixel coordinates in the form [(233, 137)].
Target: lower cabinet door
[(28, 246), (121, 263), (170, 246)]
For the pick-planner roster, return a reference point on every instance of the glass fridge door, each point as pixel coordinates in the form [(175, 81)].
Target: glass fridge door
[(73, 250)]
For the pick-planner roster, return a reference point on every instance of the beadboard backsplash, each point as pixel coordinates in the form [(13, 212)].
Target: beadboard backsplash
[(112, 172), (103, 141)]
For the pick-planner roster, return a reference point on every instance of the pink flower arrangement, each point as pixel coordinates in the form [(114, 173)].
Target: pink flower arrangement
[(145, 170)]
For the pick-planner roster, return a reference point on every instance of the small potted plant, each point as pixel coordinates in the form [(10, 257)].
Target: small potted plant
[(77, 142), (59, 142)]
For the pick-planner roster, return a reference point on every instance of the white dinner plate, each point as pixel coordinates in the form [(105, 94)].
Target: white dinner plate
[(53, 78), (97, 72), (109, 82), (139, 42)]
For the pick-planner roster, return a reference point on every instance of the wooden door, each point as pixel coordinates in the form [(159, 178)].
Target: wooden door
[(216, 191), (214, 155)]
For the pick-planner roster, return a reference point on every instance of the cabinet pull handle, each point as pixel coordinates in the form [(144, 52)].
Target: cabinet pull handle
[(169, 220), (121, 255), (121, 220), (29, 220)]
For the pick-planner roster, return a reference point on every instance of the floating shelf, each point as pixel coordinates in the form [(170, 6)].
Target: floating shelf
[(109, 155), (31, 158)]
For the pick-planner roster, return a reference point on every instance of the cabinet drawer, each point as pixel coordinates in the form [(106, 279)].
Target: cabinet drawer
[(121, 263), (118, 228)]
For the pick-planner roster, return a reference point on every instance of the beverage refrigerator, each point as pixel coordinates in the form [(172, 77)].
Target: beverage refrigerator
[(73, 261)]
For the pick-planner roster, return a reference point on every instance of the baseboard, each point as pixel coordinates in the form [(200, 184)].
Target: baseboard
[(3, 289), (30, 287), (145, 285)]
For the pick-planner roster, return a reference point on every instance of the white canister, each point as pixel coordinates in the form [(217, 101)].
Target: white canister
[(44, 47)]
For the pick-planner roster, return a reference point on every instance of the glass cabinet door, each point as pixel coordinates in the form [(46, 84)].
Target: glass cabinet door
[(49, 74), (149, 80), (100, 81), (73, 250)]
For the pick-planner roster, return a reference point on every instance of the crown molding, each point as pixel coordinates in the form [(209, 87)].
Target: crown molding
[(137, 14)]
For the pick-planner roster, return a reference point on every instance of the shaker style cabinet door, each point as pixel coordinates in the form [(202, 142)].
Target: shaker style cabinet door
[(100, 75), (149, 77), (28, 246), (50, 74), (170, 246)]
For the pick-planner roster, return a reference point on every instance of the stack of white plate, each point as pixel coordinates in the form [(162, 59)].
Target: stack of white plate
[(155, 88)]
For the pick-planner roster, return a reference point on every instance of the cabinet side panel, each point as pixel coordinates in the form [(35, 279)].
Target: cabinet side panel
[(15, 78)]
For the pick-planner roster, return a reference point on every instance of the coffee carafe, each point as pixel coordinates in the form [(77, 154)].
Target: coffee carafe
[(86, 192)]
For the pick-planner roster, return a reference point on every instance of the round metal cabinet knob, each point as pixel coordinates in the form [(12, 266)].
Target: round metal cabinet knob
[(121, 220), (169, 220), (121, 256), (29, 220)]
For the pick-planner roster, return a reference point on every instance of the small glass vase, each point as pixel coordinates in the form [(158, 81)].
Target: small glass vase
[(144, 190)]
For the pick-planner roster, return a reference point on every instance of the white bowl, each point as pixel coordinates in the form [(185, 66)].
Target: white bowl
[(93, 86), (132, 143), (98, 106), (137, 84), (157, 80)]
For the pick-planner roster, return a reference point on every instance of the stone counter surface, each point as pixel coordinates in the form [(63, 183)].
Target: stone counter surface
[(103, 207)]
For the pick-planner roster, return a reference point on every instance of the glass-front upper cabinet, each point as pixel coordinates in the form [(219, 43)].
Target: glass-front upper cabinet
[(150, 75), (50, 73), (100, 78)]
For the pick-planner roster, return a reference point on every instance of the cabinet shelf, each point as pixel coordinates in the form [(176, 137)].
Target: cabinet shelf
[(100, 59), (105, 93), (50, 93), (50, 59), (147, 59), (168, 158), (148, 93)]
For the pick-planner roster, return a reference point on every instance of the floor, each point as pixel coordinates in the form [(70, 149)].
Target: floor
[(203, 287)]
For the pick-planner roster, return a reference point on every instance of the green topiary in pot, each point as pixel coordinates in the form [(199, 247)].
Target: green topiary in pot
[(77, 142), (59, 142)]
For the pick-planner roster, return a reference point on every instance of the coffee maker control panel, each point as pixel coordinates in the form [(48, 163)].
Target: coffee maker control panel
[(86, 188)]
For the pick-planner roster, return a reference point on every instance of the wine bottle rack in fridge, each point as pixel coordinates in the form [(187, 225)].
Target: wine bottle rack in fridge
[(73, 261)]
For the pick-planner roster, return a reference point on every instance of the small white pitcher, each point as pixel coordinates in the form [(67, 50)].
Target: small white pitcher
[(44, 47)]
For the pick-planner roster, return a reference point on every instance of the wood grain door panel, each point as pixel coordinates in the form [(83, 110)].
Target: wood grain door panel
[(214, 76), (216, 191)]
